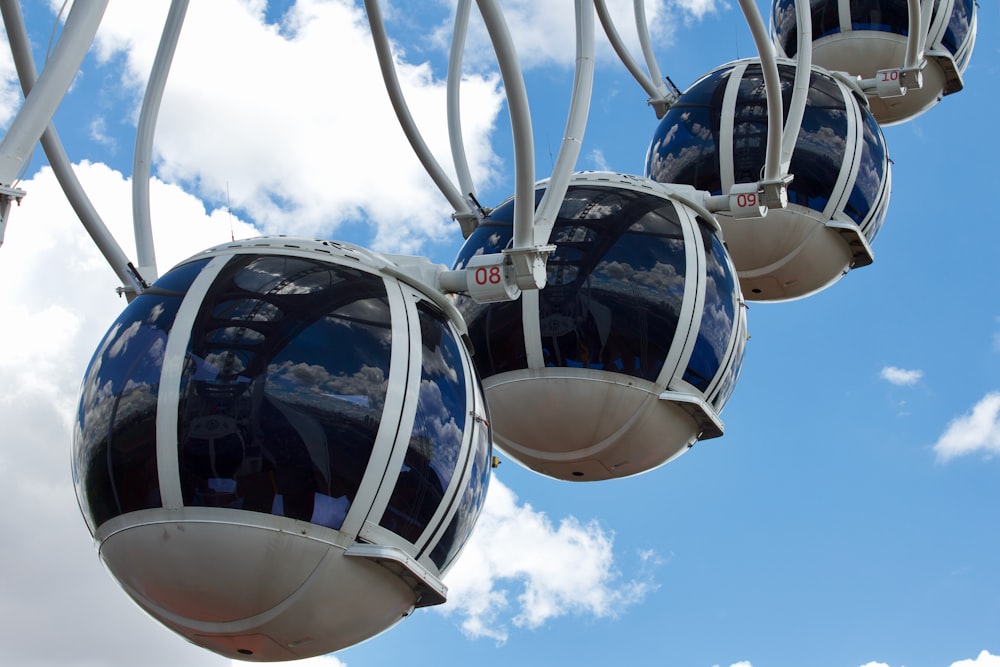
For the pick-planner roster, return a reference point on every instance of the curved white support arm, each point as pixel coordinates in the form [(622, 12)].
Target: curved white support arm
[(915, 60), (660, 96), (645, 42), (132, 282), (141, 219), (528, 262), (917, 36), (526, 258), (618, 44), (50, 88), (773, 185), (576, 124), (800, 87), (895, 81), (454, 110), (384, 52), (772, 86), (520, 121)]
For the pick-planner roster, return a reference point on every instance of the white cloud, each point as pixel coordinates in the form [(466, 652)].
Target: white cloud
[(984, 659), (978, 430), (597, 158), (10, 88), (58, 300), (553, 570), (901, 376), (544, 33), (300, 141), (698, 9)]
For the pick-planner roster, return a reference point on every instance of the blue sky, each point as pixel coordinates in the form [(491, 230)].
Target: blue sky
[(849, 516)]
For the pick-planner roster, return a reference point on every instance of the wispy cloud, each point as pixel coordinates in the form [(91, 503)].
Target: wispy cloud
[(10, 89), (551, 570), (976, 431), (598, 160), (544, 33), (99, 133), (901, 376), (259, 117), (696, 10), (984, 659)]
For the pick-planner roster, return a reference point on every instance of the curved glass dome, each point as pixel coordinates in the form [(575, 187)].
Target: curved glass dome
[(280, 386), (114, 440), (618, 302), (863, 37), (714, 137)]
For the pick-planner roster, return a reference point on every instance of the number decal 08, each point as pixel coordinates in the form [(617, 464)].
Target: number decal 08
[(488, 275)]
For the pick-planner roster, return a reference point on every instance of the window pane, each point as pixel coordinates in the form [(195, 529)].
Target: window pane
[(461, 525), (718, 318), (728, 384), (880, 15), (821, 145), (959, 24), (685, 146), (825, 18), (870, 174), (612, 300), (613, 294), (495, 329), (114, 461), (284, 388), (784, 27), (438, 430)]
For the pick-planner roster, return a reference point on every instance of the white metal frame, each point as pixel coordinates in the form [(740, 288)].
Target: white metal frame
[(523, 263)]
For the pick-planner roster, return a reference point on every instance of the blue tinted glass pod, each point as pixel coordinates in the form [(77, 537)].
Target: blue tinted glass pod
[(714, 136), (633, 346), (862, 37), (282, 446)]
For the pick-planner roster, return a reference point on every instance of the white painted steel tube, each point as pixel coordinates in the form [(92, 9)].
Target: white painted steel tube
[(50, 88)]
